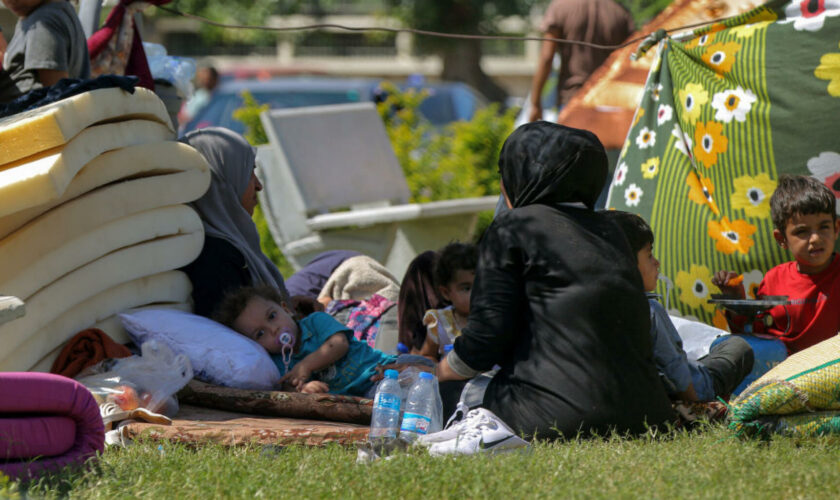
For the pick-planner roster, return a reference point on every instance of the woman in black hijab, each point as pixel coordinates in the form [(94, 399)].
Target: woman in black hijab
[(557, 301)]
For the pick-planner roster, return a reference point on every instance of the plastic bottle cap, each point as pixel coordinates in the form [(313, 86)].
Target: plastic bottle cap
[(392, 374), (426, 375)]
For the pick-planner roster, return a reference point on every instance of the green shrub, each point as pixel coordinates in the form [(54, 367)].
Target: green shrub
[(455, 161)]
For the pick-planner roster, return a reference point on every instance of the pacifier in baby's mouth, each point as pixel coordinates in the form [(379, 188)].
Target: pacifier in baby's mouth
[(287, 344)]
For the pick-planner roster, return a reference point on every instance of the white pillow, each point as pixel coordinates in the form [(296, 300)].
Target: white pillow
[(218, 354)]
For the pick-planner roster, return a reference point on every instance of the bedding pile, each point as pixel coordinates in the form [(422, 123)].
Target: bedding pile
[(93, 218), (799, 397)]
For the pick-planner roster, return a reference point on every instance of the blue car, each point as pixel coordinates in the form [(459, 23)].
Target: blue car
[(447, 101)]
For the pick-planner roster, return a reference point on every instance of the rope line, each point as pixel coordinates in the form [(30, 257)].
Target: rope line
[(415, 31)]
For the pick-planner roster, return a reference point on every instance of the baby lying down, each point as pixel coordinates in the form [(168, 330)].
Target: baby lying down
[(314, 354)]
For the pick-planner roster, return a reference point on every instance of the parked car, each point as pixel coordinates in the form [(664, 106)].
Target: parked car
[(447, 101)]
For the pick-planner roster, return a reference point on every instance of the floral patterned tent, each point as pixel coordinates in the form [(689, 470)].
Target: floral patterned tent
[(727, 109)]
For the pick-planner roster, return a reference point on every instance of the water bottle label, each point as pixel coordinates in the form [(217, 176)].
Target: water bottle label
[(413, 422), (386, 400)]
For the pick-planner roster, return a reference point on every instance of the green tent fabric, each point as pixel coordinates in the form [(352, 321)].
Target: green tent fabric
[(726, 110)]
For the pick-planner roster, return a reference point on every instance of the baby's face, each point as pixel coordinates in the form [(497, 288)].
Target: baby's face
[(264, 321)]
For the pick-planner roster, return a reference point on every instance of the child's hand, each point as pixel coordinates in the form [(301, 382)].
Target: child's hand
[(730, 283), (380, 369), (297, 376), (314, 387)]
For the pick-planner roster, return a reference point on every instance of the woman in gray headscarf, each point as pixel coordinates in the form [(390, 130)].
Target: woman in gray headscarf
[(231, 257)]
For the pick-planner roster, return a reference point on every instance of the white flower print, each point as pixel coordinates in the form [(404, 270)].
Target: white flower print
[(809, 15), (733, 103), (684, 144), (632, 195), (826, 168), (620, 174), (646, 138), (664, 114), (656, 92), (751, 281)]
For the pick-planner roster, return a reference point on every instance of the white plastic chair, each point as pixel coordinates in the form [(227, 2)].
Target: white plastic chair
[(11, 308), (331, 181)]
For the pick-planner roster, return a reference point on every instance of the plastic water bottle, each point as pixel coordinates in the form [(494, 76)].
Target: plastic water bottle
[(418, 408), (385, 421)]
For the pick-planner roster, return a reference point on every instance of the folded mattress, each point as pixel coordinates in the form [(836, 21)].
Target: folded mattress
[(46, 422)]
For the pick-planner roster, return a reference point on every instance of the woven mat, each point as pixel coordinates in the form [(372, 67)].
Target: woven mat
[(817, 355), (196, 425)]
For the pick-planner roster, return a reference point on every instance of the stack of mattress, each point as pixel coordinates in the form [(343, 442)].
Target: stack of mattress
[(93, 218)]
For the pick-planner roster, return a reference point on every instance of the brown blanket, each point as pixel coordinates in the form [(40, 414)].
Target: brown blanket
[(85, 349)]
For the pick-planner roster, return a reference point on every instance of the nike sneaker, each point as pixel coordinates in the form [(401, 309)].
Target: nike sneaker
[(462, 417), (481, 431)]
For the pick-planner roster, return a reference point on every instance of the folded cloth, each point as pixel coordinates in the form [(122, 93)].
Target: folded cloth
[(363, 316), (85, 349), (358, 278), (134, 62), (49, 422)]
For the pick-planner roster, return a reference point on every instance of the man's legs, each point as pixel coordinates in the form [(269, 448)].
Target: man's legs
[(728, 362)]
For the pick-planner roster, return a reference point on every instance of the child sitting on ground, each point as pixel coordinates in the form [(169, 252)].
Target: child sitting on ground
[(454, 276), (48, 45), (803, 213), (715, 375), (315, 354)]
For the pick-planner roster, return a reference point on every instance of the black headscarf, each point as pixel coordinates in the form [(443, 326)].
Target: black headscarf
[(536, 165)]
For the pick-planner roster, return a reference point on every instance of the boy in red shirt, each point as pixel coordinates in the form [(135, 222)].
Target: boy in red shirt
[(803, 211)]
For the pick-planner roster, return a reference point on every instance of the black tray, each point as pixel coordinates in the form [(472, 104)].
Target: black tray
[(749, 307)]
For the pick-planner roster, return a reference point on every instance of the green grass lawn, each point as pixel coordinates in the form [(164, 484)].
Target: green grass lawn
[(708, 464)]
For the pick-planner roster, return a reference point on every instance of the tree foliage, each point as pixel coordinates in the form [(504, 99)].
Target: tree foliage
[(245, 12)]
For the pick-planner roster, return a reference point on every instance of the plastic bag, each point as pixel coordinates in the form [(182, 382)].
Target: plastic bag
[(179, 71), (407, 378), (148, 381)]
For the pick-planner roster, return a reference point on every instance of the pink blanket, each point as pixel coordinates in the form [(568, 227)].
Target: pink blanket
[(46, 422)]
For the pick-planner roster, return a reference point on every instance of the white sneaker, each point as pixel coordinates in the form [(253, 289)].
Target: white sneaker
[(456, 422), (480, 432)]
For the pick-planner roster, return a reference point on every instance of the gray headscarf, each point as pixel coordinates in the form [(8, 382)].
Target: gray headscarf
[(231, 161)]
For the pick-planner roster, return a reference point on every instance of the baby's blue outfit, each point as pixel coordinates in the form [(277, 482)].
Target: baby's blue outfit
[(349, 375), (676, 369)]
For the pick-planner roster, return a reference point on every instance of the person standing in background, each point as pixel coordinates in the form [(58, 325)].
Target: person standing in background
[(602, 22), (206, 80), (48, 45)]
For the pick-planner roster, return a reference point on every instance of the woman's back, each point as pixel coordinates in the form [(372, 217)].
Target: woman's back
[(578, 355)]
